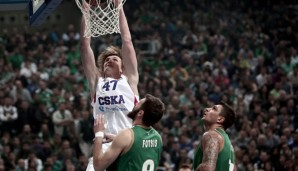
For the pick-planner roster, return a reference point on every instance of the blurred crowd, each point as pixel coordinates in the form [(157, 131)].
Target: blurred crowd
[(192, 54)]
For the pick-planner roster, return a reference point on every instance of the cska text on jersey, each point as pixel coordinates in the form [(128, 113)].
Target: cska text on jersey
[(111, 100)]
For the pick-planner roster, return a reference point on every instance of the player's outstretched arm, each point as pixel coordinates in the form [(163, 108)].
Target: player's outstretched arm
[(128, 53), (211, 145), (88, 59)]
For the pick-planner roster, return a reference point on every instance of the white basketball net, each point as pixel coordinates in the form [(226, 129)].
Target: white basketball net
[(101, 19)]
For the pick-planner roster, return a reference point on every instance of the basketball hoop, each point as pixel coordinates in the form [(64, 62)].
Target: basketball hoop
[(101, 16)]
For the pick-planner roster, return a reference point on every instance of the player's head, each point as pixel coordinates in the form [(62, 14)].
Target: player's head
[(62, 106), (110, 61), (221, 113), (8, 101), (150, 110), (185, 167)]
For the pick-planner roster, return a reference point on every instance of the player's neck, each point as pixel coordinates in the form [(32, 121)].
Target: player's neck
[(213, 127), (142, 125), (115, 76)]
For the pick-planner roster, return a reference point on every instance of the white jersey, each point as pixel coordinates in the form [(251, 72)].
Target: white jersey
[(114, 98)]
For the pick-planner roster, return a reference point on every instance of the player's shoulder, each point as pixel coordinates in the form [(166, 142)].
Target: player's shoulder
[(124, 139), (212, 134), (125, 133), (156, 132)]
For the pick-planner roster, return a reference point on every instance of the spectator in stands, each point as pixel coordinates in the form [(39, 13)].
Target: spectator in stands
[(33, 162), (28, 68), (18, 92), (43, 94), (20, 165), (8, 116), (63, 122), (86, 137), (26, 135)]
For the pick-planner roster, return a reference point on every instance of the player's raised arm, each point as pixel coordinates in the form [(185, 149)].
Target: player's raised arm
[(211, 145), (88, 59), (129, 55)]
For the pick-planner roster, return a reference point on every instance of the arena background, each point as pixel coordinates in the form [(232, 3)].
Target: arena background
[(191, 54)]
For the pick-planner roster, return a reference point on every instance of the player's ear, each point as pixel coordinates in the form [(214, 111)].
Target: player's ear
[(220, 119), (140, 113)]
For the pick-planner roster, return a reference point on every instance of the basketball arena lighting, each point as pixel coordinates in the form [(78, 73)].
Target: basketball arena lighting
[(39, 10)]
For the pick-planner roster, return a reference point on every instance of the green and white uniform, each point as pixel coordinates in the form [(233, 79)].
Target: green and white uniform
[(226, 157), (144, 154)]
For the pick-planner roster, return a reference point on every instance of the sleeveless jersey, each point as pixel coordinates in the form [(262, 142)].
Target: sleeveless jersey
[(114, 98), (226, 157), (144, 153)]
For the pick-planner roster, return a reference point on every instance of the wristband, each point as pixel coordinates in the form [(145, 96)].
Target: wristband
[(99, 134)]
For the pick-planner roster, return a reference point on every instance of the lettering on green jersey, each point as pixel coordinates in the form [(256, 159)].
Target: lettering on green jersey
[(149, 143)]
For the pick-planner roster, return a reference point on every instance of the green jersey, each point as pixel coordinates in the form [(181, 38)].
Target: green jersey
[(226, 157), (144, 153)]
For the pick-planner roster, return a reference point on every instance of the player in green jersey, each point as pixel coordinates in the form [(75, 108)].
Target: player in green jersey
[(215, 151), (136, 148)]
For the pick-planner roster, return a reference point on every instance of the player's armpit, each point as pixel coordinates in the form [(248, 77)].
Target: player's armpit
[(211, 146), (109, 137)]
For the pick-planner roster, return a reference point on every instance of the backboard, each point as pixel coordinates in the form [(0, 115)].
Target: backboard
[(39, 10)]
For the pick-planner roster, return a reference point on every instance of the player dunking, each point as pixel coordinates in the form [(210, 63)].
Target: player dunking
[(113, 86), (215, 151)]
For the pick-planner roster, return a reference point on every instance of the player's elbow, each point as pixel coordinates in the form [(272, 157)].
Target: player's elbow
[(126, 40)]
